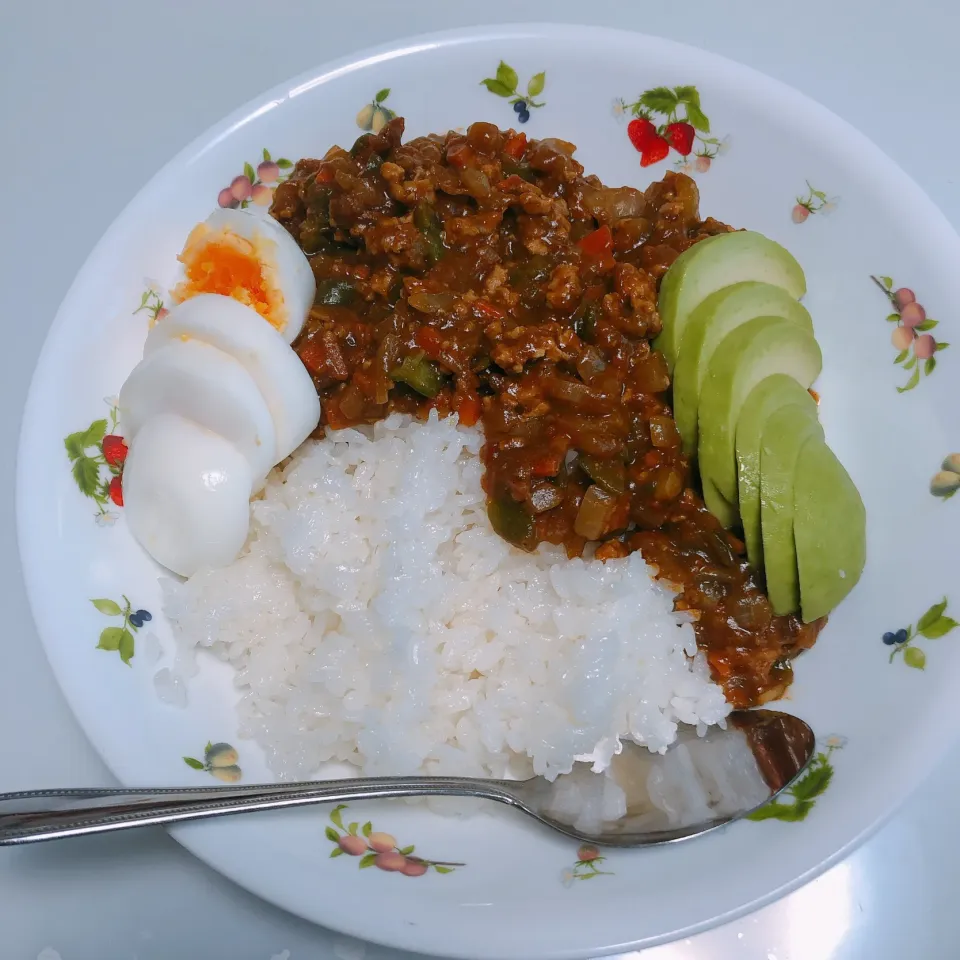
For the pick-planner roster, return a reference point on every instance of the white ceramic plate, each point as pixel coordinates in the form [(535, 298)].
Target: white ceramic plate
[(772, 161)]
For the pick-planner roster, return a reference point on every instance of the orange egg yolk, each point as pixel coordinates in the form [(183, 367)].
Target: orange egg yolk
[(230, 265)]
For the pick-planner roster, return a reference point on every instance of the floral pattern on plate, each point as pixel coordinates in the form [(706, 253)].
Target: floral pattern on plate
[(932, 625), (671, 118), (911, 336), (804, 793), (812, 202), (376, 849), (587, 865), (220, 760), (504, 84), (946, 481), (255, 185), (121, 638), (96, 457), (375, 115)]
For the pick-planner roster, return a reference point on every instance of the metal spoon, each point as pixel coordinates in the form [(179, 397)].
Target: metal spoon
[(699, 784)]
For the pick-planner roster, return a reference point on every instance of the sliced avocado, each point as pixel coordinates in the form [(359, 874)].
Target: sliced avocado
[(784, 434), (715, 503), (830, 530), (714, 263), (707, 325), (766, 398), (747, 355)]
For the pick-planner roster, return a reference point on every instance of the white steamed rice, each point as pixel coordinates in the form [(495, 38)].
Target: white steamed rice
[(376, 618)]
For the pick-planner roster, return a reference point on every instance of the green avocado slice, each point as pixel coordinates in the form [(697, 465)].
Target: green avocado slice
[(765, 399), (830, 530), (708, 324), (747, 355), (714, 263), (784, 434)]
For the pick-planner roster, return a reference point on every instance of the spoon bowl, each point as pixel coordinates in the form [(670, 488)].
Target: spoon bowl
[(698, 785)]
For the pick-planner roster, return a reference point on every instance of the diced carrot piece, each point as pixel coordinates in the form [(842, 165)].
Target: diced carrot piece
[(720, 665), (468, 409), (430, 342), (335, 419), (487, 310), (515, 146), (313, 356), (597, 244), (460, 155), (548, 466)]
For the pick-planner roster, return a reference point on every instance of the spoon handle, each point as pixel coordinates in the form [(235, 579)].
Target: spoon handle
[(35, 815)]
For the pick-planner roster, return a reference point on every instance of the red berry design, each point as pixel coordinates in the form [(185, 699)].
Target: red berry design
[(654, 152), (641, 133), (925, 347), (680, 136), (116, 491), (114, 450)]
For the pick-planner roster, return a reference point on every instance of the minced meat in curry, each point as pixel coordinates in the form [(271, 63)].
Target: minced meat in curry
[(483, 274)]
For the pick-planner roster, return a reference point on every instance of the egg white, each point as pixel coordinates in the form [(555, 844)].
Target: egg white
[(205, 385), (241, 332), (186, 494), (283, 264)]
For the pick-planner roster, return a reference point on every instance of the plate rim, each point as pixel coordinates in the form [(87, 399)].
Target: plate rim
[(919, 766)]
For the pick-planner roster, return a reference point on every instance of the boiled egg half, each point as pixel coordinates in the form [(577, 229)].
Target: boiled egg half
[(251, 258)]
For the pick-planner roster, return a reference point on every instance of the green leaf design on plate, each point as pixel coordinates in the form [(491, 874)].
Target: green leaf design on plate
[(901, 356), (659, 99), (266, 155), (367, 829), (939, 628), (336, 852), (927, 324), (382, 95), (332, 835), (86, 473), (284, 164), (929, 365), (367, 860), (914, 657), (95, 432), (912, 382), (507, 76), (887, 282), (770, 811), (250, 172), (442, 869), (814, 781), (942, 346), (335, 815), (932, 615), (536, 84), (688, 94), (75, 444), (111, 638), (495, 86), (195, 764), (353, 828), (911, 363), (697, 118), (893, 318), (406, 851), (126, 646), (108, 607)]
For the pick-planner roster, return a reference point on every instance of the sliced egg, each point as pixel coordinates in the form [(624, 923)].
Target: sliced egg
[(206, 385), (186, 494), (252, 259), (239, 331)]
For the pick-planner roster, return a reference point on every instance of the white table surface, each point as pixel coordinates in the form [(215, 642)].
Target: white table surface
[(95, 96)]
